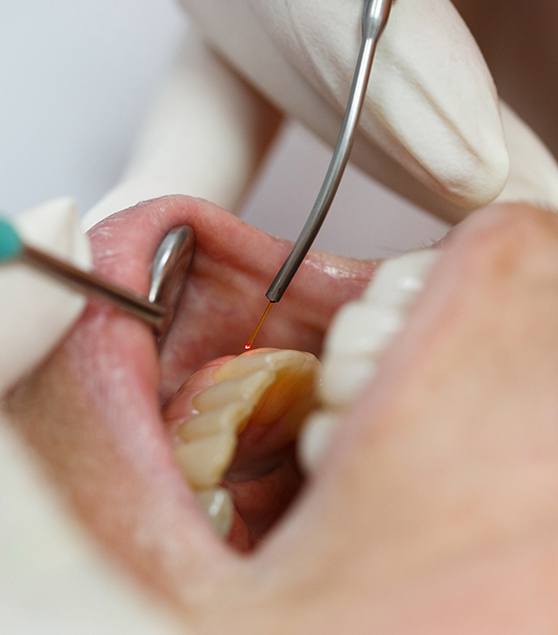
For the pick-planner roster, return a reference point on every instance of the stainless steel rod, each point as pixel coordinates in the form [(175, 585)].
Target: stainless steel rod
[(91, 283), (375, 17)]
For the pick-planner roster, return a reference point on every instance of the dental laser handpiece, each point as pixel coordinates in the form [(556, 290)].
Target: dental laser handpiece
[(374, 21)]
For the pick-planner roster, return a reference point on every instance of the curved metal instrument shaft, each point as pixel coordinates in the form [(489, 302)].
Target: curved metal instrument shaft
[(375, 17)]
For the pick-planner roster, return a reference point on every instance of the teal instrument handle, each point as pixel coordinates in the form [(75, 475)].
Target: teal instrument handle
[(11, 245)]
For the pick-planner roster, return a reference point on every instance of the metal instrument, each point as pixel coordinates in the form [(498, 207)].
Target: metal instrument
[(168, 274), (374, 20)]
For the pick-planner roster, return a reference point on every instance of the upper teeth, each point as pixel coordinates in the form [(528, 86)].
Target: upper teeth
[(360, 333), (399, 280)]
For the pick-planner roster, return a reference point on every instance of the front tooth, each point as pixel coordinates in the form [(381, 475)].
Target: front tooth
[(204, 461), (315, 439), (400, 280), (228, 419), (367, 326), (363, 329), (218, 506), (233, 390), (343, 377)]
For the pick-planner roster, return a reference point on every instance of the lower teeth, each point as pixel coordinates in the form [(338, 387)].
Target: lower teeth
[(314, 439), (219, 508), (264, 389)]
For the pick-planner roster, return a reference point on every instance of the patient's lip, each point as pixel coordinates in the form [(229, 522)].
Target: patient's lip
[(432, 110), (37, 311)]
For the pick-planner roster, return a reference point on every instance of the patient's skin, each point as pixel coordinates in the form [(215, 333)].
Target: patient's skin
[(435, 510)]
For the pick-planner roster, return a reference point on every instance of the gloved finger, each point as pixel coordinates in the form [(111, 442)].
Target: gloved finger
[(206, 137), (533, 170), (36, 310), (430, 128)]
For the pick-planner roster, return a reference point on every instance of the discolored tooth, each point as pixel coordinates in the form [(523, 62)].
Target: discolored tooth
[(343, 377), (279, 395), (292, 395), (218, 506), (315, 439), (263, 359), (204, 461), (221, 394), (362, 329), (398, 281), (228, 419)]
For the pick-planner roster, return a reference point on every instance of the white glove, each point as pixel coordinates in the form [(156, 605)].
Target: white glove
[(431, 127), (206, 137), (37, 310)]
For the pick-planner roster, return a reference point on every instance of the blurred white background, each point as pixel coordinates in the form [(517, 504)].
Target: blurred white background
[(79, 77)]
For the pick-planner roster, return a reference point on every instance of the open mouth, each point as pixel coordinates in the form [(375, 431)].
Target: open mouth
[(148, 443)]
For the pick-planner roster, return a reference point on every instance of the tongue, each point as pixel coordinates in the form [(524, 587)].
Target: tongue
[(93, 411)]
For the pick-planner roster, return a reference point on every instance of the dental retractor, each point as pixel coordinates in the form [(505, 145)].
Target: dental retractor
[(170, 263)]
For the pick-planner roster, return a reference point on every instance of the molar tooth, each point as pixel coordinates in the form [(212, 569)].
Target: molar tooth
[(218, 506), (261, 359), (343, 377), (315, 439), (399, 280), (228, 419), (362, 329), (204, 461), (233, 390)]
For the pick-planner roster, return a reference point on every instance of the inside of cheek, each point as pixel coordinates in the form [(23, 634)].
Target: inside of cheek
[(261, 495)]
